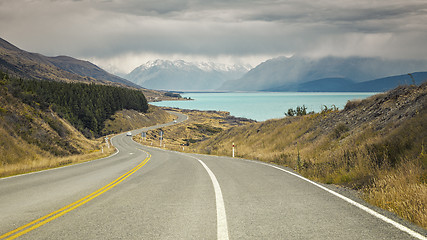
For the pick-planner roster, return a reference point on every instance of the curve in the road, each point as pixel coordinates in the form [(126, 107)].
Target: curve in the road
[(172, 197), (68, 208)]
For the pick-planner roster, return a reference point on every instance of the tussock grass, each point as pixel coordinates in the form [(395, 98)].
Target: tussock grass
[(401, 191)]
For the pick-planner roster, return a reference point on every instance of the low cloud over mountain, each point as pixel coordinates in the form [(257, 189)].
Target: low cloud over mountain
[(182, 75)]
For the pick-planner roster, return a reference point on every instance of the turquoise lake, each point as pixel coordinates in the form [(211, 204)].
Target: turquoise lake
[(262, 106)]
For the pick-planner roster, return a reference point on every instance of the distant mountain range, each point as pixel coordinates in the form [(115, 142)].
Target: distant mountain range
[(348, 85), (329, 74), (278, 74), (62, 68), (182, 75)]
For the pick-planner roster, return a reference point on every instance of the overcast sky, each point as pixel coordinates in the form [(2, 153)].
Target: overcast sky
[(120, 35)]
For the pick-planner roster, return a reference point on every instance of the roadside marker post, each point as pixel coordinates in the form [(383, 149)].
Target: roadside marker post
[(144, 136), (161, 138), (233, 149)]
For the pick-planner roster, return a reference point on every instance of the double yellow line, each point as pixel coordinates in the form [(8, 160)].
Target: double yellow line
[(56, 214)]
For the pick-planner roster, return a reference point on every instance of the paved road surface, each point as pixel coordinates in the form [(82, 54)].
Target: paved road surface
[(148, 193)]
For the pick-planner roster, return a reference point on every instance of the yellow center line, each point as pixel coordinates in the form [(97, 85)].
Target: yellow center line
[(51, 216)]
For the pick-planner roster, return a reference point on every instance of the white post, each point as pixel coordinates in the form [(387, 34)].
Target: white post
[(233, 149), (161, 138), (106, 141)]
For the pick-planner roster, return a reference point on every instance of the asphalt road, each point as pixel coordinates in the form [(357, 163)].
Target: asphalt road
[(150, 193)]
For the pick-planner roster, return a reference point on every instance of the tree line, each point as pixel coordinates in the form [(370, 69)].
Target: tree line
[(85, 106)]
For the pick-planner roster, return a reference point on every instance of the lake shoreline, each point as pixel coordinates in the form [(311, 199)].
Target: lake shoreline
[(262, 106)]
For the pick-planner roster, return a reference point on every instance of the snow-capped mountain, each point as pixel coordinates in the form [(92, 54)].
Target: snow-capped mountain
[(182, 75)]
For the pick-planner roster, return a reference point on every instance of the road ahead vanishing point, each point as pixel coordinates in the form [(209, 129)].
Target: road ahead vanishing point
[(149, 193)]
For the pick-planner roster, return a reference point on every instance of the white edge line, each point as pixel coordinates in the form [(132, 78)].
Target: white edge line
[(356, 204), (222, 228), (221, 216)]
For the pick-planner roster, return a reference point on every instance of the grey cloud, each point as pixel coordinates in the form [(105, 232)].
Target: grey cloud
[(108, 28), (145, 7)]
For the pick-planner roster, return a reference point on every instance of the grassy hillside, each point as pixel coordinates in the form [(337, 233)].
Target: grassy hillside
[(86, 106), (377, 146)]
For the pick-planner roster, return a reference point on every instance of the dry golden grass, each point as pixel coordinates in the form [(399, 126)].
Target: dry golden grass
[(36, 160), (400, 191)]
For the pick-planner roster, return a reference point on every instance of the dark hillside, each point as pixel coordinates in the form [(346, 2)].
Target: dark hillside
[(348, 85), (28, 65), (387, 83), (24, 64), (85, 68)]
